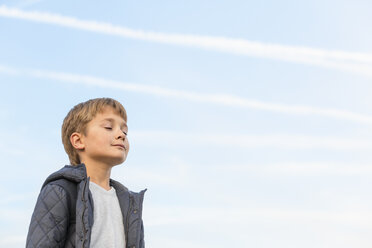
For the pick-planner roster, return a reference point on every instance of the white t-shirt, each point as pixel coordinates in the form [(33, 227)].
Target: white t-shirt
[(108, 227)]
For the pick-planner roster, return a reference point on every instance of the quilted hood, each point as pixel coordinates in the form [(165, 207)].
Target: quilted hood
[(75, 173)]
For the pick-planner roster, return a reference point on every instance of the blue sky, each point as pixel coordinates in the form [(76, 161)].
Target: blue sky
[(249, 122)]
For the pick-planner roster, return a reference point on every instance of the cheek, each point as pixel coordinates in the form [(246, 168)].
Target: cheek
[(99, 142)]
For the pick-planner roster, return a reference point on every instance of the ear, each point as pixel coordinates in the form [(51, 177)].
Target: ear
[(77, 141)]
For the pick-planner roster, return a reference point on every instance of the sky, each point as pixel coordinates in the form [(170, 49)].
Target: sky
[(250, 122)]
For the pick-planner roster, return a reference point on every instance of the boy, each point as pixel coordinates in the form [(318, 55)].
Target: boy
[(79, 205)]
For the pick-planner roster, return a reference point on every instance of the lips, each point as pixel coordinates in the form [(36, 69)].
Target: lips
[(121, 145)]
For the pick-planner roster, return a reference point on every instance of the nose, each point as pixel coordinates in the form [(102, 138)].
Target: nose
[(121, 135)]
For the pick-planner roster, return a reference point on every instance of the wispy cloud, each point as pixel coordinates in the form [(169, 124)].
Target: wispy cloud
[(13, 240), (9, 199), (324, 224), (183, 177), (218, 99), (360, 63), (299, 168), (170, 215), (281, 141)]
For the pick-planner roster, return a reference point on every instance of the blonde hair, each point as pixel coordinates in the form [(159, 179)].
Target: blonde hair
[(78, 118)]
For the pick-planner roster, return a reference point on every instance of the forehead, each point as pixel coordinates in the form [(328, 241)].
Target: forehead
[(108, 114)]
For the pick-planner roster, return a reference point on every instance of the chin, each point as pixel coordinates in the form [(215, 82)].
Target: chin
[(118, 161)]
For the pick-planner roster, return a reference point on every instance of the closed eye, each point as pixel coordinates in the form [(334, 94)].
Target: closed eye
[(109, 128)]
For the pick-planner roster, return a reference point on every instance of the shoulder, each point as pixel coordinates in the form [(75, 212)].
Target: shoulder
[(61, 189), (51, 191), (58, 189), (53, 199)]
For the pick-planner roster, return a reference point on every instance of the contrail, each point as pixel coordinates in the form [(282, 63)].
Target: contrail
[(359, 63), (218, 99)]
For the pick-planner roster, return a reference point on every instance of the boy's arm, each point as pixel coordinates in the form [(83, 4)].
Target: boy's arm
[(50, 219)]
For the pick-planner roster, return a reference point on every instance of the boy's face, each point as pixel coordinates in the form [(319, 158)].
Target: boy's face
[(105, 140)]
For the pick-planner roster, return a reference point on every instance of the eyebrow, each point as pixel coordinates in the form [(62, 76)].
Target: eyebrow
[(112, 120)]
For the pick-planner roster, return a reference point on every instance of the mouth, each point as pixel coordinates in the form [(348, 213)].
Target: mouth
[(121, 146)]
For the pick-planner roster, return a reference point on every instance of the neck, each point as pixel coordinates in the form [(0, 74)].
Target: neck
[(99, 173)]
